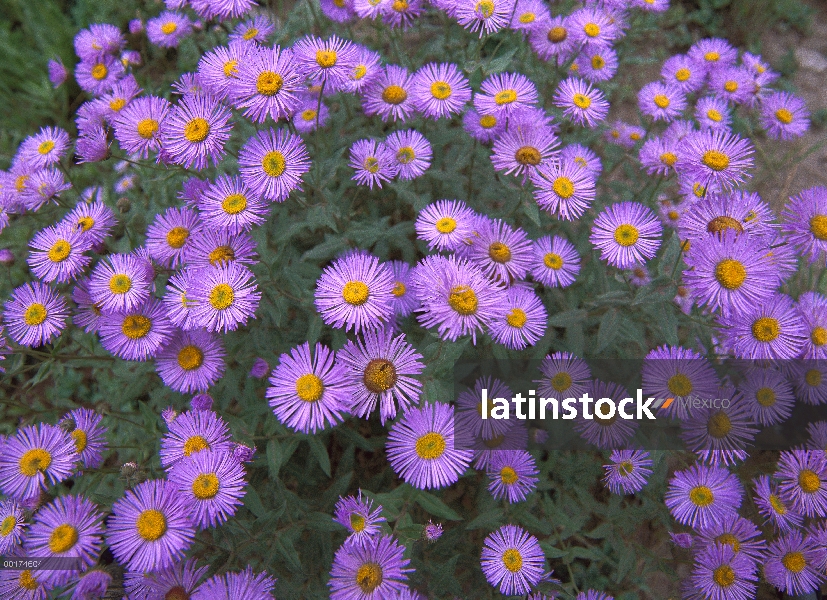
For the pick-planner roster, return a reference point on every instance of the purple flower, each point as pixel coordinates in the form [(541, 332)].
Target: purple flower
[(512, 475), (445, 225), (403, 13), (120, 283), (522, 151), (191, 361), (605, 428), (597, 64), (805, 219), (34, 458), (593, 26), (679, 373), (502, 253), (661, 101), (512, 560), (389, 94), (738, 533), (272, 164), (68, 527), (230, 205), (44, 148), (485, 16), (35, 314), (260, 368), (195, 131), (626, 233), (503, 94), (256, 30), (244, 584), (723, 574), (712, 53), (373, 570), (483, 128), (92, 146), (524, 321), (218, 69), (57, 72), (94, 220), (740, 212), (359, 517), (150, 528), (784, 116), (413, 153), (224, 297), (720, 434), (98, 75), (192, 432), (221, 10), (768, 396), (421, 449), (553, 39), (803, 481), (329, 62), (564, 189), (367, 66), (168, 29), (310, 114), (716, 158), (25, 584), (137, 126), (702, 495), (58, 253), (556, 262), (440, 90), (12, 527), (89, 436), (266, 84), (713, 113), (628, 472), (136, 334), (770, 330), (212, 483), (774, 510), (581, 103), (307, 392), (180, 578), (99, 39), (564, 376), (732, 84), (683, 73), (216, 247), (92, 585), (795, 564), (373, 163)]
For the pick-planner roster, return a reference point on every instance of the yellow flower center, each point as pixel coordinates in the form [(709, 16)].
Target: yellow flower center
[(673, 215), (765, 329), (326, 58), (784, 115), (723, 576), (169, 27), (513, 560), (222, 254), (561, 381), (63, 538), (309, 114), (680, 385), (46, 147), (222, 296), (499, 252), (405, 155), (147, 128), (309, 387), (59, 251), (35, 314), (557, 34), (463, 300), (819, 336), (120, 283), (27, 581), (359, 71), (234, 204), (488, 121), (197, 130), (355, 293), (765, 396), (357, 522), (818, 227), (661, 100), (369, 577), (581, 101), (516, 318), (505, 97), (99, 71), (250, 34), (379, 375), (269, 83), (553, 260), (151, 524), (85, 223), (34, 460), (440, 90), (430, 446), (7, 525), (508, 476), (683, 74), (701, 495), (136, 326), (205, 486), (79, 436), (712, 57), (719, 425), (625, 468), (794, 562), (730, 273), (598, 62), (715, 160), (371, 164), (634, 135), (731, 86), (398, 289), (528, 155), (190, 357), (777, 505), (400, 6), (485, 8), (394, 94), (714, 115), (669, 159), (195, 444), (230, 68), (626, 235), (563, 187), (177, 237), (273, 163), (527, 17), (809, 481), (591, 29), (446, 225)]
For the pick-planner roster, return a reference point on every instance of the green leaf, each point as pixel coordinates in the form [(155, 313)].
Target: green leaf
[(253, 502), (567, 318), (490, 519), (436, 507), (319, 450), (608, 330), (284, 546), (275, 457)]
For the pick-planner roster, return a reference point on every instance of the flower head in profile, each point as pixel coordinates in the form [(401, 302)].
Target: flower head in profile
[(805, 223), (89, 436)]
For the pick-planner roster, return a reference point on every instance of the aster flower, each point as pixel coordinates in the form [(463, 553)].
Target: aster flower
[(218, 68), (770, 330), (182, 577), (272, 164), (256, 30), (596, 63), (805, 218), (359, 517), (67, 527), (137, 126), (524, 322), (683, 73), (212, 483), (34, 314), (713, 113), (469, 423), (456, 297), (58, 253), (328, 62), (503, 94), (244, 584), (192, 432), (267, 83), (87, 314), (512, 560), (41, 187), (701, 495), (150, 528), (178, 304), (228, 204), (440, 90), (512, 475), (564, 189), (483, 128), (137, 333), (628, 472), (592, 26), (310, 114), (307, 392), (94, 220), (34, 458), (813, 310), (97, 40), (736, 532), (121, 95), (44, 148), (795, 564), (356, 292), (581, 103), (528, 15), (556, 262), (412, 153), (92, 146), (626, 233), (12, 526), (89, 436), (679, 373), (380, 369), (732, 84), (564, 376), (57, 72), (215, 247), (772, 508), (662, 102), (91, 585), (421, 450), (373, 163), (553, 39), (739, 212), (224, 297), (720, 435), (502, 253), (367, 67), (445, 224), (485, 16), (721, 573), (195, 132), (768, 395), (23, 584), (522, 150), (168, 29), (403, 13), (120, 283), (370, 570), (712, 53), (390, 94), (716, 157), (606, 429), (784, 116), (98, 75), (191, 361), (803, 481)]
